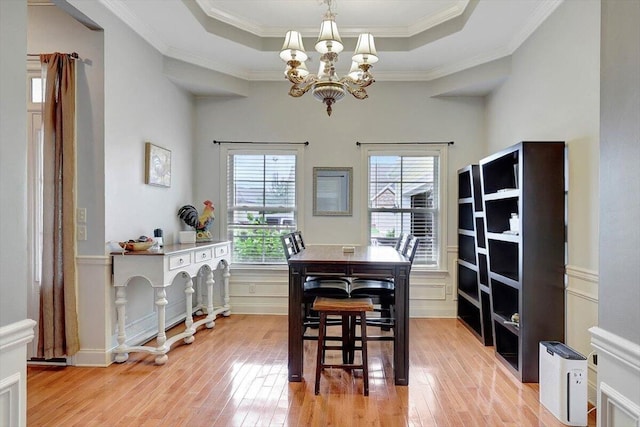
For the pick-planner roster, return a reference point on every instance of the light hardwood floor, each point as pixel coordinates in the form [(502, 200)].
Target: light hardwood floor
[(236, 375)]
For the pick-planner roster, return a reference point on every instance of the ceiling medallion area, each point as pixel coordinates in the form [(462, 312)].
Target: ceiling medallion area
[(326, 85)]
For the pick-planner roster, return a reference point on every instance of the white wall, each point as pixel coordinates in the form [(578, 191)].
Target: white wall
[(553, 94)]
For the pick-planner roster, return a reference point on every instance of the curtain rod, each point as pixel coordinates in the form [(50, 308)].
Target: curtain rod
[(260, 142), (358, 143), (73, 55)]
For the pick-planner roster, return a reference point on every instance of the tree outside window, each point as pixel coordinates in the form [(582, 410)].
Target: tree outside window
[(261, 197), (403, 198)]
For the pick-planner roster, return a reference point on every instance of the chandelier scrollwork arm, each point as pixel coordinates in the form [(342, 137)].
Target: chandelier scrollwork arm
[(293, 74), (298, 89)]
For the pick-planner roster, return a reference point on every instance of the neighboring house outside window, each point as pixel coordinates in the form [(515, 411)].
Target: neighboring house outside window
[(405, 196), (261, 204)]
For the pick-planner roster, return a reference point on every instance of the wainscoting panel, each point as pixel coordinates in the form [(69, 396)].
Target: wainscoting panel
[(11, 400), (616, 410), (13, 371), (267, 292), (619, 379), (97, 312), (581, 300)]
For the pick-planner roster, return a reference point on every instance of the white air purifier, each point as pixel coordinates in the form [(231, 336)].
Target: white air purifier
[(563, 382)]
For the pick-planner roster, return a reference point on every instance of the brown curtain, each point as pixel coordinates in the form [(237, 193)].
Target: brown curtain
[(58, 326)]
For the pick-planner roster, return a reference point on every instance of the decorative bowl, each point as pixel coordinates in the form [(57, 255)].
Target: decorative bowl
[(136, 246)]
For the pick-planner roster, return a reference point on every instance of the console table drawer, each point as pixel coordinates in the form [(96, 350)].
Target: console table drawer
[(222, 251), (179, 261), (203, 255)]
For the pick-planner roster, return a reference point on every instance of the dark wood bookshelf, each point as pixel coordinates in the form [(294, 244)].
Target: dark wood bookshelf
[(473, 286), (525, 183)]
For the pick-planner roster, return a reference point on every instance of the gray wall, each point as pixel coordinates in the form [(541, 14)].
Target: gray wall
[(141, 104), (619, 309), (50, 29), (394, 112), (553, 94), (13, 162)]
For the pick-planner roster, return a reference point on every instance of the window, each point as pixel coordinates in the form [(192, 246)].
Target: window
[(405, 196), (36, 90), (261, 200)]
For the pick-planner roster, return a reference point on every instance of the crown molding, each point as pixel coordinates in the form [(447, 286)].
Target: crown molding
[(436, 19), (542, 12), (121, 11), (207, 62), (143, 30), (417, 27)]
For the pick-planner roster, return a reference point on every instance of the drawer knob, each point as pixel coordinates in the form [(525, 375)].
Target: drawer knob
[(181, 260)]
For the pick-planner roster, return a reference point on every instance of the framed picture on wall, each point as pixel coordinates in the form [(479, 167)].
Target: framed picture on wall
[(332, 191), (157, 165)]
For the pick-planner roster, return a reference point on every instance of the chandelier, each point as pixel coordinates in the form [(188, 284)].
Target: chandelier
[(327, 86)]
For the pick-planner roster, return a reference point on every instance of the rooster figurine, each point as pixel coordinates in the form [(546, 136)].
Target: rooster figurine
[(201, 223)]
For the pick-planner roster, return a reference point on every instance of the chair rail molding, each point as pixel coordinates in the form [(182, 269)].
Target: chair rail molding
[(582, 273), (582, 283), (16, 334)]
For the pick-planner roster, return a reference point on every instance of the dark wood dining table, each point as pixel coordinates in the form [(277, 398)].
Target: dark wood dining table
[(364, 262)]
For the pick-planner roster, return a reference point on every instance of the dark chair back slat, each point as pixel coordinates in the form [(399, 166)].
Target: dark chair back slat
[(288, 243), (298, 241), (412, 247), (401, 244)]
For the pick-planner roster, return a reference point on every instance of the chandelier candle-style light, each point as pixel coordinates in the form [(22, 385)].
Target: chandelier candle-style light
[(326, 86)]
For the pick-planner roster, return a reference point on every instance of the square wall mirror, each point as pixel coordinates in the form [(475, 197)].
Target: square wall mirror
[(332, 189)]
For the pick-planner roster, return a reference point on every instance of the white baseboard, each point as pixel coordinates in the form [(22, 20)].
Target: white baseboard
[(92, 358)]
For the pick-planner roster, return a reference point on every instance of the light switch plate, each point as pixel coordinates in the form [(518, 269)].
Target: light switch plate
[(81, 232), (81, 215)]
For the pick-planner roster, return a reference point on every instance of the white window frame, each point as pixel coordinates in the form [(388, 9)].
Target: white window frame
[(252, 149), (440, 150)]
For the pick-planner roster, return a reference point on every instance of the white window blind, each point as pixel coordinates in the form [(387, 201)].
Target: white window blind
[(404, 196), (261, 197)]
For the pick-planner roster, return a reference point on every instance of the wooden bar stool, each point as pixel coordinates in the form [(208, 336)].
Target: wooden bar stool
[(350, 309)]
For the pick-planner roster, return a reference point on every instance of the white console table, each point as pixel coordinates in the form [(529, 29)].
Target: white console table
[(160, 268)]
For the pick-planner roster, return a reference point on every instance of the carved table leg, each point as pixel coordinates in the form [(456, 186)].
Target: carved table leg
[(211, 317), (199, 294), (121, 302), (226, 275), (161, 302), (188, 290)]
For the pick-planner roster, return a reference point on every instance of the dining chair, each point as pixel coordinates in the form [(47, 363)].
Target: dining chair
[(401, 243), (382, 290), (411, 249), (298, 240), (314, 286), (289, 245)]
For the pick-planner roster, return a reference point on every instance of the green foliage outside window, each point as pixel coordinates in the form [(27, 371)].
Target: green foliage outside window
[(261, 241)]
